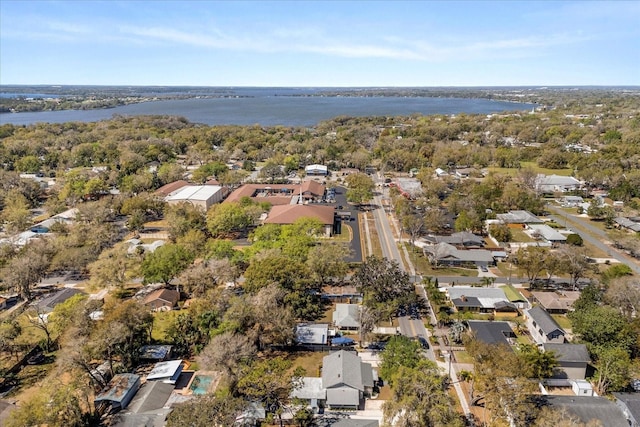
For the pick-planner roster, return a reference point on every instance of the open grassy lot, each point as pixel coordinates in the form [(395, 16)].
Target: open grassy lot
[(310, 361), (535, 167), (161, 322)]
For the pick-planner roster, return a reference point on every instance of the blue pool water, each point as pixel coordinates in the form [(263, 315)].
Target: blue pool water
[(200, 384)]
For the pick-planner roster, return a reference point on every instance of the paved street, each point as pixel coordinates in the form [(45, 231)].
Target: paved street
[(595, 236)]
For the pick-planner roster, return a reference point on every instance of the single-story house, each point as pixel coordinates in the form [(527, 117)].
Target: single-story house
[(627, 224), (587, 409), (312, 333), (542, 327), (447, 254), (572, 360), (463, 239), (202, 196), (495, 333), (316, 170), (288, 214), (347, 316), (117, 395), (409, 186), (545, 232), (328, 421), (571, 201), (167, 371), (345, 381), (556, 302), (47, 304), (148, 408), (342, 293), (518, 218), (162, 299), (557, 183), (484, 300), (629, 403)]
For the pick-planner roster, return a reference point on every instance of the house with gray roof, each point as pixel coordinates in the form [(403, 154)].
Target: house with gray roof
[(629, 403), (572, 360), (447, 254), (547, 233), (494, 333), (518, 217), (47, 304), (347, 316), (463, 239), (148, 408), (587, 409), (347, 379), (628, 224), (345, 382), (557, 184), (484, 300), (542, 327)]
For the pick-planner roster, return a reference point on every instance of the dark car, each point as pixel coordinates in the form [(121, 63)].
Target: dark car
[(484, 268), (423, 342), (36, 359)]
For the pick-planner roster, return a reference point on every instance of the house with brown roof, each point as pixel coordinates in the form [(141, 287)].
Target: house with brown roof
[(279, 194), (162, 300), (556, 302), (288, 214)]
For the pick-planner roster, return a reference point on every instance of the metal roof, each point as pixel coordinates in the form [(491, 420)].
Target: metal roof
[(347, 315), (312, 334)]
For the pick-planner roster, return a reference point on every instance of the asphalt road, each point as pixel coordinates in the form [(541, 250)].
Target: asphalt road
[(595, 237)]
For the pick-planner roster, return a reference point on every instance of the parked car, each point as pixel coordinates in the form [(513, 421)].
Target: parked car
[(484, 268), (423, 342)]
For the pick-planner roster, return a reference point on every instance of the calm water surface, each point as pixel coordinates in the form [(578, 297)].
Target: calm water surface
[(275, 110)]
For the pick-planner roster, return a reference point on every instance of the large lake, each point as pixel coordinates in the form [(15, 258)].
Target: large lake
[(270, 110)]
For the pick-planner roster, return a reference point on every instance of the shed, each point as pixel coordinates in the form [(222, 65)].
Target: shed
[(312, 333), (119, 392)]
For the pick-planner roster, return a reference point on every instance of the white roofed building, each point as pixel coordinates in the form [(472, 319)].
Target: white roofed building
[(203, 196)]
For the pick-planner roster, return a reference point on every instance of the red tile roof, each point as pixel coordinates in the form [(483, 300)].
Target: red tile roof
[(288, 214), (167, 189), (273, 193)]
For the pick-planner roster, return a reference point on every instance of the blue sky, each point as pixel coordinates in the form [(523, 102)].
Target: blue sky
[(328, 43)]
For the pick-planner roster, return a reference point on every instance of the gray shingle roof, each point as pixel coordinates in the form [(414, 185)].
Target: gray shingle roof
[(631, 401), (491, 332), (347, 315), (519, 217), (569, 352), (46, 305), (342, 367), (589, 408), (544, 320)]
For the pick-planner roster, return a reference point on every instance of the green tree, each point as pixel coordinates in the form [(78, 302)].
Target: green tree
[(538, 364), (15, 213), (360, 188), (207, 411), (613, 368), (385, 286), (603, 327), (165, 263), (270, 382), (327, 262), (226, 218), (501, 232), (399, 352), (420, 398)]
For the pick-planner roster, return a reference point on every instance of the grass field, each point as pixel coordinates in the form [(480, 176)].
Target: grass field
[(535, 167)]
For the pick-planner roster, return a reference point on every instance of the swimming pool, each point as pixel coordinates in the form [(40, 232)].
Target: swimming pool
[(200, 384)]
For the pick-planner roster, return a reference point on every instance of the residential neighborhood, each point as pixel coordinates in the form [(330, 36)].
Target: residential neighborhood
[(254, 278)]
